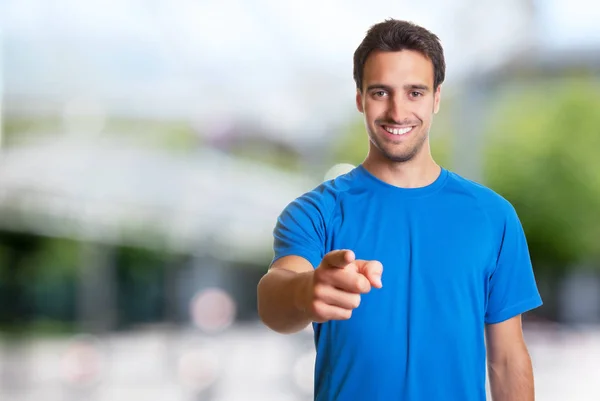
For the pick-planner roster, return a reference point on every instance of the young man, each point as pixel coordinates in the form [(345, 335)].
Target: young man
[(404, 268)]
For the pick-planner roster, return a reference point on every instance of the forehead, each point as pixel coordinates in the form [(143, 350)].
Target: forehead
[(398, 68)]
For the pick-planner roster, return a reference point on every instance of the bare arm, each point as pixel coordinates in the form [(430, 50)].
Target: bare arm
[(293, 294), (279, 293), (509, 364)]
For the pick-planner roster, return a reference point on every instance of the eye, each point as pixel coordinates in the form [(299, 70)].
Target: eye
[(415, 94), (379, 93)]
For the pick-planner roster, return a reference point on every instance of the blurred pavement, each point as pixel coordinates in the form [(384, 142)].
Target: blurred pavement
[(245, 363)]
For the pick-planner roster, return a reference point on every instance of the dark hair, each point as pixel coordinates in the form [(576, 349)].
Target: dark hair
[(394, 35)]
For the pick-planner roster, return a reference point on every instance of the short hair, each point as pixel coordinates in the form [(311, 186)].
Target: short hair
[(395, 35)]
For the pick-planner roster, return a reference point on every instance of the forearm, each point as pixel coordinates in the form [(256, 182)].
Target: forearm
[(511, 379), (279, 297)]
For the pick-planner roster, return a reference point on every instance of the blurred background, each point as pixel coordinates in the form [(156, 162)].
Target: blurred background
[(147, 147)]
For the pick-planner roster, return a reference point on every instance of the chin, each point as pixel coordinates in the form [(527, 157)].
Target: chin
[(400, 158), (405, 155)]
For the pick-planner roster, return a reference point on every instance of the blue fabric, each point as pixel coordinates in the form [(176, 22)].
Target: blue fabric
[(455, 258)]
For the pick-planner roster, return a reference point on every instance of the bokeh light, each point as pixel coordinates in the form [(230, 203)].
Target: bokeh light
[(212, 310)]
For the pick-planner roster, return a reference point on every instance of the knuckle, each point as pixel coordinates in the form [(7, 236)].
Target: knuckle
[(316, 309), (318, 291), (322, 275), (358, 283)]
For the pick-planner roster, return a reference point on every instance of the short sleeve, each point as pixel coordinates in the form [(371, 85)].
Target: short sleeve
[(301, 229), (512, 288)]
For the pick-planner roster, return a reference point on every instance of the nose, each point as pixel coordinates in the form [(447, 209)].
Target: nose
[(399, 110)]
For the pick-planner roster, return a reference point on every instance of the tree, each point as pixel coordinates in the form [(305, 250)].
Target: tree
[(543, 155)]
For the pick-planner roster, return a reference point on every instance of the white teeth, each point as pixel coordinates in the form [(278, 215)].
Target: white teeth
[(398, 131)]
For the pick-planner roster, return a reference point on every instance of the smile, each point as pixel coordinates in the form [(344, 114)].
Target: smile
[(398, 131)]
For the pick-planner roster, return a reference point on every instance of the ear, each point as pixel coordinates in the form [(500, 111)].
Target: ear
[(359, 104), (436, 99)]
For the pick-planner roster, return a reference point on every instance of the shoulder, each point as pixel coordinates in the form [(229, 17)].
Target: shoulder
[(485, 197), (498, 212), (324, 197)]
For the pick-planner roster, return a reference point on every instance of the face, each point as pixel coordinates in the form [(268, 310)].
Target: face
[(398, 102)]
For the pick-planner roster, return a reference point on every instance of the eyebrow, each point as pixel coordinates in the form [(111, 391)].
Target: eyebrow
[(406, 87)]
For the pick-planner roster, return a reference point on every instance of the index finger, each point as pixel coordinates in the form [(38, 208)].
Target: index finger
[(339, 258), (372, 269)]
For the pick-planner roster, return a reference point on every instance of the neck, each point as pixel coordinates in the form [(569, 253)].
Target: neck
[(418, 172)]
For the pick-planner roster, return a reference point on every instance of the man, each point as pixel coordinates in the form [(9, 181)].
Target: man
[(457, 265)]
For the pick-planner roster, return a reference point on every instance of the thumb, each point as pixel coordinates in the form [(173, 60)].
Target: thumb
[(339, 258), (373, 271)]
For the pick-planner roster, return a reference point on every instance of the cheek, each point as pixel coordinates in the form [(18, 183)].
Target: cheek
[(374, 110), (423, 112)]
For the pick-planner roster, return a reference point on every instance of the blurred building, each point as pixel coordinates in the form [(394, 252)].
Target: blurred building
[(206, 210)]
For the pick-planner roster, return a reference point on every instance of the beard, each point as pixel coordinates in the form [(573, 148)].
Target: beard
[(399, 153)]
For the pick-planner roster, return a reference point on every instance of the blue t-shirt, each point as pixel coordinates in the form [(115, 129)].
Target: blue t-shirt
[(454, 258)]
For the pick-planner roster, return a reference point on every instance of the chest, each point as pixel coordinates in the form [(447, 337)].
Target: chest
[(443, 242)]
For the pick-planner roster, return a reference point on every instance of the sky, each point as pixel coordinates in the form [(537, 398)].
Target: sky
[(283, 63), (566, 23)]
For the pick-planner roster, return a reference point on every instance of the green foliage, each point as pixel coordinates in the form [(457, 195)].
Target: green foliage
[(175, 136), (21, 129), (57, 256), (543, 155), (263, 151), (51, 286), (169, 135), (140, 283)]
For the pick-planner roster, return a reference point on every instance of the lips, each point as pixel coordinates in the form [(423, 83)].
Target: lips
[(398, 130)]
